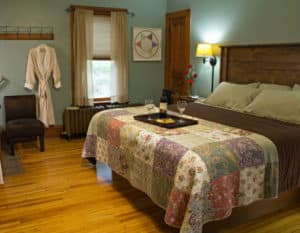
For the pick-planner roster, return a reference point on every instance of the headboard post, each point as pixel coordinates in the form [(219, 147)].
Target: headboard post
[(223, 68)]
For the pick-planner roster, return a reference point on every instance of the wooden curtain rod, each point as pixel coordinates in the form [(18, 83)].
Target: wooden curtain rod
[(99, 10)]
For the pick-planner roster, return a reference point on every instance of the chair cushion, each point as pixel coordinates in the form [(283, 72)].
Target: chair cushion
[(22, 128)]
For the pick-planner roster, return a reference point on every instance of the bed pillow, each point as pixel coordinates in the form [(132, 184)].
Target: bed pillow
[(267, 86), (232, 96), (296, 87), (277, 104), (255, 85)]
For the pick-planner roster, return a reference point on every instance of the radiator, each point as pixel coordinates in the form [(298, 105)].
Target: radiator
[(76, 120)]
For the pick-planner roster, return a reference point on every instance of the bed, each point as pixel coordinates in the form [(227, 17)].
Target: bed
[(199, 173)]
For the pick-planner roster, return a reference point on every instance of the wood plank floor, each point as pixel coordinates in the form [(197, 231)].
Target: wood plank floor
[(58, 192)]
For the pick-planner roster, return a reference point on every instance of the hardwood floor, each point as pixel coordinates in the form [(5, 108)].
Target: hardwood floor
[(59, 192)]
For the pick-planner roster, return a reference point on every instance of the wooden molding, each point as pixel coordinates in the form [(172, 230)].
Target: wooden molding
[(180, 12), (26, 36), (53, 131), (177, 50), (97, 10)]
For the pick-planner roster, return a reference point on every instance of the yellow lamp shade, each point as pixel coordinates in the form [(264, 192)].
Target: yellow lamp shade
[(204, 50)]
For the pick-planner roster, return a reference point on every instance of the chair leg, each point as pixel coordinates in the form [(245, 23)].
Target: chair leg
[(12, 148), (42, 143)]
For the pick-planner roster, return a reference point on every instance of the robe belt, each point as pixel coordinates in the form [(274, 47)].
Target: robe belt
[(42, 90)]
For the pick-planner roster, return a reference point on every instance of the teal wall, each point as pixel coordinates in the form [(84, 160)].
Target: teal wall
[(238, 22), (213, 21), (145, 78)]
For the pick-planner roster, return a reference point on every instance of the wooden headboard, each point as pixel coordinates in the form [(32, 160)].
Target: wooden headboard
[(277, 63)]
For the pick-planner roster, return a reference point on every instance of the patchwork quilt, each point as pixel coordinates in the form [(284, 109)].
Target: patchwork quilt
[(196, 173)]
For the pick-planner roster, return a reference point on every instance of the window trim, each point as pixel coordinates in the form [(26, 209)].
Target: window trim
[(97, 11), (101, 58), (102, 100)]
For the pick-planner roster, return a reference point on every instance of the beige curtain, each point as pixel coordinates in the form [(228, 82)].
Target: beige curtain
[(119, 56), (83, 46)]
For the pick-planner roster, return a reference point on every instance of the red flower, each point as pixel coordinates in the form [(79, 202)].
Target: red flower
[(190, 75)]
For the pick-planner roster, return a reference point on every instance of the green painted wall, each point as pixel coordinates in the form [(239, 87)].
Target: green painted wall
[(145, 78), (238, 22), (213, 21)]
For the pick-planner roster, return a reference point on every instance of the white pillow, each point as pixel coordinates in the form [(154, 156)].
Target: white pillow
[(232, 96), (277, 104), (296, 87), (267, 86)]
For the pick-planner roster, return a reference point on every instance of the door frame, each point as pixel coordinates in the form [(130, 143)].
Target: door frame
[(171, 15)]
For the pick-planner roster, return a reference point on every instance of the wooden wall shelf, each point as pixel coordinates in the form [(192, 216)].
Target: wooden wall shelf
[(26, 36), (26, 33)]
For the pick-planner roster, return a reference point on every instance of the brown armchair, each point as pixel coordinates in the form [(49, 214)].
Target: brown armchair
[(21, 120)]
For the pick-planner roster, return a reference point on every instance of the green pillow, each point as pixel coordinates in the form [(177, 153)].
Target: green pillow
[(296, 87), (277, 104), (255, 85), (267, 86), (232, 96)]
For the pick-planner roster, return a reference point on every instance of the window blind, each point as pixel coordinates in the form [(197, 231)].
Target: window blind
[(102, 36)]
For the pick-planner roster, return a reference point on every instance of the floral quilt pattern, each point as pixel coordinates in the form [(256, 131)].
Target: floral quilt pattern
[(196, 173)]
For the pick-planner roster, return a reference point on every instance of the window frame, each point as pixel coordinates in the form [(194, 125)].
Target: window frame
[(97, 11)]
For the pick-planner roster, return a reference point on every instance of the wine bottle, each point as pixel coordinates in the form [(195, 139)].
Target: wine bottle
[(163, 106)]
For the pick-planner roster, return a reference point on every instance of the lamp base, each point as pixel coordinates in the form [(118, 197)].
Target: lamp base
[(213, 62)]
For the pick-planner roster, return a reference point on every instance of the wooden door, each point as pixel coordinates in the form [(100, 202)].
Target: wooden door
[(177, 50)]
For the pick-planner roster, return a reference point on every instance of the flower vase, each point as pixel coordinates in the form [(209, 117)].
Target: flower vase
[(190, 90)]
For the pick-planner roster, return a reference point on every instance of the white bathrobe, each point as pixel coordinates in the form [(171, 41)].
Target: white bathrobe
[(42, 62)]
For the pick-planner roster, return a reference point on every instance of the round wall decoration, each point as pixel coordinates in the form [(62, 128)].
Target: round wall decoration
[(146, 44)]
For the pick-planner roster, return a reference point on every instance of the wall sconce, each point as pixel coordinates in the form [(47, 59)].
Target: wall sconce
[(205, 51)]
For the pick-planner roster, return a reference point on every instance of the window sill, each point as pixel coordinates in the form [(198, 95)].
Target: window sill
[(104, 103)]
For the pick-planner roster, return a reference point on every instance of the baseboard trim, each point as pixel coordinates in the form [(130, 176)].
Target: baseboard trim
[(53, 131)]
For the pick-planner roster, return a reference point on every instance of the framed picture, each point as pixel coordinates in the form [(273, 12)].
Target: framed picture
[(146, 44)]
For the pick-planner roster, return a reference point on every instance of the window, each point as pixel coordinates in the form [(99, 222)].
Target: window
[(101, 75), (99, 55), (101, 65)]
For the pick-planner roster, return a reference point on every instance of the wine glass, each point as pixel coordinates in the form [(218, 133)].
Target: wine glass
[(181, 106), (149, 106)]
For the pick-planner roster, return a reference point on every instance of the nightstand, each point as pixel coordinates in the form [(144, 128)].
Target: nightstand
[(191, 99)]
